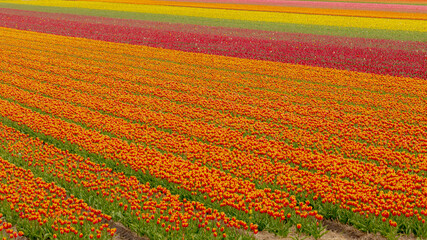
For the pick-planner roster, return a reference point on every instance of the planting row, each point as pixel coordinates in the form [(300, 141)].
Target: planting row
[(61, 131), (43, 209), (266, 128), (231, 146), (148, 209), (185, 146), (389, 127), (393, 61), (407, 25)]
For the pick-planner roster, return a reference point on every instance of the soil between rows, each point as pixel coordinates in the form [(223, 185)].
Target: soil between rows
[(336, 231)]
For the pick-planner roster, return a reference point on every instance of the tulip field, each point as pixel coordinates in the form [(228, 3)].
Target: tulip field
[(212, 119)]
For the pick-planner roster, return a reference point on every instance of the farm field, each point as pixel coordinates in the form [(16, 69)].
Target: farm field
[(213, 119)]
